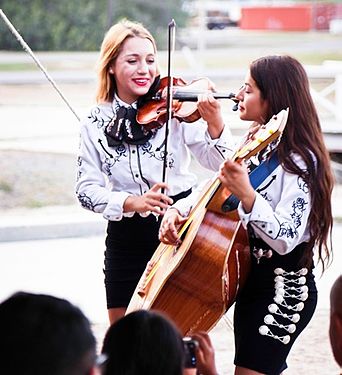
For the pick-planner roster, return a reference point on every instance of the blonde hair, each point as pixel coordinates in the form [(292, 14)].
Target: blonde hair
[(110, 49)]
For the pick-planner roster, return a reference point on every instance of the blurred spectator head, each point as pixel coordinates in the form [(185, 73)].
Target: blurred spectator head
[(45, 335), (335, 329), (143, 342)]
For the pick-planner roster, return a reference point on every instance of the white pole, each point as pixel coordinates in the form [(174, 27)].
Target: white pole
[(201, 42), (338, 97)]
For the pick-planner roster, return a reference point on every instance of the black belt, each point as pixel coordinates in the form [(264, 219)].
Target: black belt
[(181, 195)]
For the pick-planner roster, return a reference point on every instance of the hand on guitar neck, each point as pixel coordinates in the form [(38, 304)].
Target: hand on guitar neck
[(234, 176), (168, 232)]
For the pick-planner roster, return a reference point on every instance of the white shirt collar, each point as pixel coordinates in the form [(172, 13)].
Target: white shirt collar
[(124, 104)]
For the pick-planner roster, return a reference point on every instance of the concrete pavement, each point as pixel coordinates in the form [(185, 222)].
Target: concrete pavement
[(71, 268)]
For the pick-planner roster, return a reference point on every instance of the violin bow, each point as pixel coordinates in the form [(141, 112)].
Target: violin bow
[(36, 60), (169, 98)]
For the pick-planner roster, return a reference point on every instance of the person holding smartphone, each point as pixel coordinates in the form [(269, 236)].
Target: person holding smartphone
[(148, 342)]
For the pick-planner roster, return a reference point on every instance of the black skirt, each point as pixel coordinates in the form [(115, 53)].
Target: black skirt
[(273, 308), (130, 244)]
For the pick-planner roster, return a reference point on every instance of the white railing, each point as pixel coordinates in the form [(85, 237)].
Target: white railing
[(329, 97)]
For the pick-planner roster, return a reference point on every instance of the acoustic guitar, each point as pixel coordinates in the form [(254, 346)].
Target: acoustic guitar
[(196, 282)]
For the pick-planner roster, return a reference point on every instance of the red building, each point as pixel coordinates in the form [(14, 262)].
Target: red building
[(300, 17)]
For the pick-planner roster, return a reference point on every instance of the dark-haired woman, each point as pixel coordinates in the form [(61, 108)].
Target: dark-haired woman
[(287, 217)]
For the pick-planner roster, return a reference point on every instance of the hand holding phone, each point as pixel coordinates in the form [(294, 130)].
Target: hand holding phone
[(190, 346), (205, 354)]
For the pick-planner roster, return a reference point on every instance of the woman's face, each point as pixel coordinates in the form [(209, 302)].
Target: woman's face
[(251, 106), (134, 69)]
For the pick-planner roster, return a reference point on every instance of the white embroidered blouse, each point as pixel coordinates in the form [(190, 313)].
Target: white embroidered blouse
[(280, 212), (108, 175)]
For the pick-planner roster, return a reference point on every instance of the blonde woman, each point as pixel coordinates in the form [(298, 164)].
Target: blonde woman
[(120, 163)]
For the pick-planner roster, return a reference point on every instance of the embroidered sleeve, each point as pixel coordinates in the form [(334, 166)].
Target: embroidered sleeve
[(91, 185), (280, 212), (209, 152)]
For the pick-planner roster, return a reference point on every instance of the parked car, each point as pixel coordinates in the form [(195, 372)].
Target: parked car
[(218, 19)]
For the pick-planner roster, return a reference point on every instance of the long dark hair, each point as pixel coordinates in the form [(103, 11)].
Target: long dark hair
[(284, 83), (143, 343)]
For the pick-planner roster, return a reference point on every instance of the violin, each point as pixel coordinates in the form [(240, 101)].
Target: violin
[(184, 102)]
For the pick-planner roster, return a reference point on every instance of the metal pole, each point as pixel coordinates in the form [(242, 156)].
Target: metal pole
[(40, 66)]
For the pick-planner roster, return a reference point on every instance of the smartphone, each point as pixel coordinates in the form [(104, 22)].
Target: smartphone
[(190, 346)]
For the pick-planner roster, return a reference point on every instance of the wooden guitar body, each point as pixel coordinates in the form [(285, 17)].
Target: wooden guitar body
[(196, 282)]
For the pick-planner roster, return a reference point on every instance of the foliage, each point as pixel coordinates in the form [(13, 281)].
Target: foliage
[(69, 25)]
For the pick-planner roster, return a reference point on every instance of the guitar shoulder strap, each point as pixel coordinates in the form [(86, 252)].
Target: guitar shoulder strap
[(256, 177)]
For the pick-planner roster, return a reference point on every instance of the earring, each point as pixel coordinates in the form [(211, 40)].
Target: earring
[(110, 70)]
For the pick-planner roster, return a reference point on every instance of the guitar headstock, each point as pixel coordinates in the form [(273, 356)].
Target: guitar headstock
[(263, 136)]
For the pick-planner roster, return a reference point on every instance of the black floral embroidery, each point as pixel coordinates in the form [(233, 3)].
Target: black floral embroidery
[(85, 202), (96, 118), (110, 159), (286, 230), (170, 161), (266, 196), (147, 148), (156, 154), (79, 164), (302, 185), (108, 163), (298, 207), (120, 152)]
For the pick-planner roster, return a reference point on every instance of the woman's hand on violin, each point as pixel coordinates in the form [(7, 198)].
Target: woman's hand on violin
[(210, 110), (153, 200), (168, 233), (234, 176)]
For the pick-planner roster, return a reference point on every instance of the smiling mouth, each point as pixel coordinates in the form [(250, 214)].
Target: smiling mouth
[(141, 82)]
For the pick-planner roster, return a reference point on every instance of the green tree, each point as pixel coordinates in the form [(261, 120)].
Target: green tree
[(80, 24), (154, 14)]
